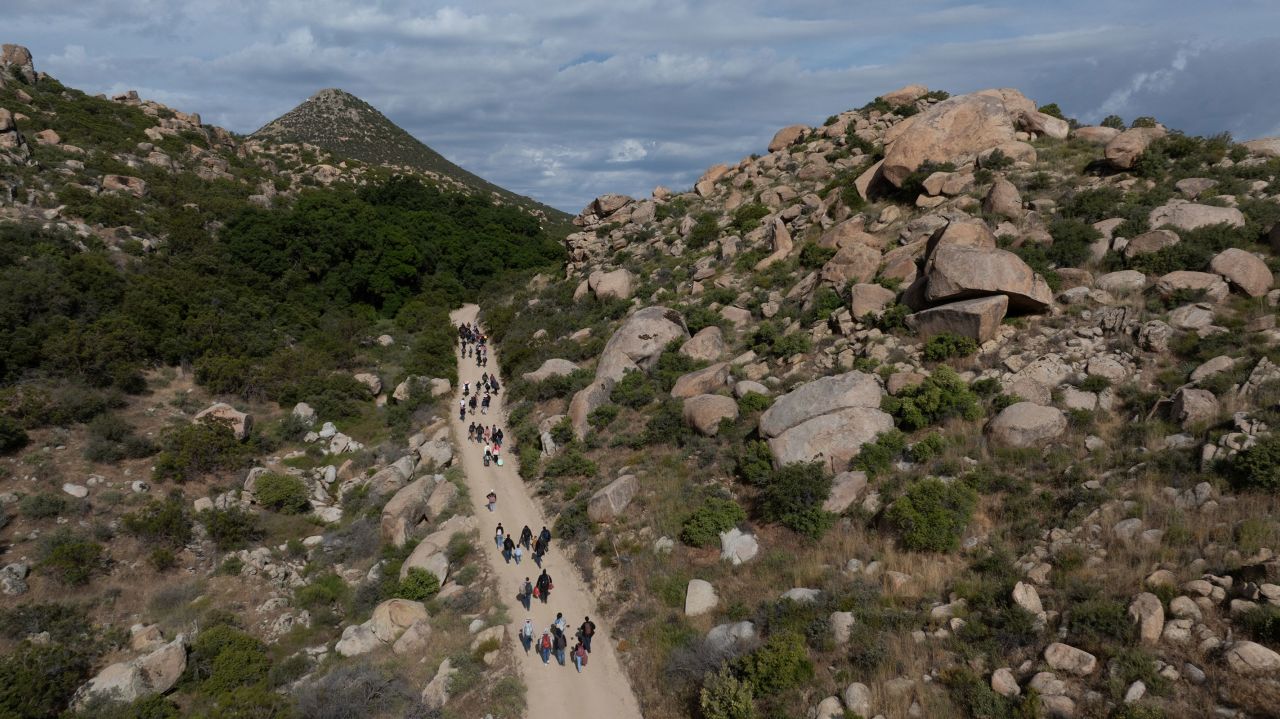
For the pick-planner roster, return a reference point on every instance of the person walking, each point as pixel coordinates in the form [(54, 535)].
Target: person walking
[(491, 500), (544, 586), (507, 547), (526, 594), (526, 635), (559, 623), (484, 405), (538, 550), (526, 536), (545, 536), (517, 553), (579, 657), (586, 632), (559, 644), (544, 646), (498, 536)]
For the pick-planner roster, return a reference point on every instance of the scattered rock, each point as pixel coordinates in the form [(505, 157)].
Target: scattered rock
[(1147, 613), (1025, 424), (699, 598), (1125, 148), (239, 422), (976, 319), (1244, 270), (608, 503), (1066, 658), (704, 412)]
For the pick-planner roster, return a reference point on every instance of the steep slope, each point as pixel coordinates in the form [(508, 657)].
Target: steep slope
[(350, 127)]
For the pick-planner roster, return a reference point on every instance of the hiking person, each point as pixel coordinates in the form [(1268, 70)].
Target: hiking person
[(507, 546), (499, 535), (559, 644), (559, 623), (545, 586), (473, 404), (491, 500), (462, 410), (579, 656), (484, 405), (544, 646), (466, 388), (526, 535), (526, 594), (517, 553), (539, 549), (586, 632), (545, 536), (526, 635)]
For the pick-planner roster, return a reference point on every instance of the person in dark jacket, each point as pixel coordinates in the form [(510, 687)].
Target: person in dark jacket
[(526, 594), (507, 546), (585, 632), (558, 644), (526, 536), (544, 586), (545, 536)]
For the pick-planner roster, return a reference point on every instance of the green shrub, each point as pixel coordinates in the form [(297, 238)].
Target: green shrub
[(12, 436), (747, 217), (931, 516), (165, 522), (571, 462), (794, 496), (232, 528), (780, 664), (418, 585), (573, 522), (944, 346), (199, 448), (1114, 122), (1071, 241), (1095, 383), (753, 402), (666, 425), (39, 680), (941, 396), (702, 528), (814, 256), (634, 390), (1052, 110), (754, 464), (1257, 467), (928, 448), (1096, 623), (705, 231), (1144, 121), (42, 506), (223, 658), (326, 591), (876, 458), (1262, 624), (70, 559), (282, 493), (602, 416), (724, 696), (893, 318), (162, 559)]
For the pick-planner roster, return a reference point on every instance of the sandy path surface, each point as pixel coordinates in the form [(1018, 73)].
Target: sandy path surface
[(554, 692)]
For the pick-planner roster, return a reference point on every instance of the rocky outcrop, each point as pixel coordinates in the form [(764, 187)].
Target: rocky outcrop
[(959, 273), (609, 503), (704, 412), (239, 422), (153, 673), (17, 59), (1245, 271), (827, 420), (1252, 659), (977, 319), (951, 131), (611, 285), (551, 368), (406, 511), (1186, 216), (1125, 148), (706, 345), (1025, 424), (13, 146), (868, 299)]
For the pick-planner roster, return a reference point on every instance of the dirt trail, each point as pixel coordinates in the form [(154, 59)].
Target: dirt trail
[(602, 689)]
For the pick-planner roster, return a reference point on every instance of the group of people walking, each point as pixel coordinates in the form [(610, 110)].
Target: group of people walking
[(486, 388), (474, 343), (554, 642)]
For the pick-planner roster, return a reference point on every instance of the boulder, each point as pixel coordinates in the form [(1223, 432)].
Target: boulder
[(852, 389), (1147, 614), (429, 557), (1211, 367), (135, 186), (551, 368), (1044, 124), (608, 503), (1026, 596), (1121, 282), (1191, 216), (1265, 146), (782, 245), (959, 273), (845, 490), (724, 638), (977, 319), (1066, 658), (848, 233), (17, 59), (239, 422), (414, 640), (611, 285), (405, 390), (960, 232), (1125, 148), (703, 381), (853, 263), (699, 598), (436, 693), (1212, 285), (639, 341), (606, 205), (833, 438), (1245, 271), (441, 497), (1096, 134), (1149, 242), (1249, 658), (406, 510), (950, 131), (841, 627), (1004, 683), (304, 413), (391, 618), (704, 412), (1193, 187), (905, 95), (372, 381), (707, 345), (1191, 407), (787, 136), (440, 387), (153, 673), (829, 708), (738, 547), (1003, 199), (437, 454), (869, 299), (1025, 424)]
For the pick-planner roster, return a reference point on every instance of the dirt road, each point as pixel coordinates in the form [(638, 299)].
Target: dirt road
[(554, 692)]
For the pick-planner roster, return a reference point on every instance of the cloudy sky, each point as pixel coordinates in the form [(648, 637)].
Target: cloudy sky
[(564, 100)]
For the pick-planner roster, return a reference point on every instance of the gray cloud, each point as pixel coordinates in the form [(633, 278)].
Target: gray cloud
[(570, 99)]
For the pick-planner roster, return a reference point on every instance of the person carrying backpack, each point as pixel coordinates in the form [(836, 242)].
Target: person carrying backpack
[(526, 535), (544, 646), (559, 644), (517, 553), (538, 550), (585, 632), (526, 635), (526, 594), (491, 500), (544, 586), (545, 536), (499, 535), (579, 657), (507, 547)]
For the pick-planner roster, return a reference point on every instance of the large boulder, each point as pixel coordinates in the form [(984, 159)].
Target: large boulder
[(703, 381), (1265, 146), (1125, 148), (707, 345), (852, 263), (699, 598), (961, 232), (782, 245), (430, 557), (639, 341), (1095, 134), (1188, 216), (436, 693), (606, 504), (1043, 124), (1147, 614), (738, 546), (1193, 407), (1214, 288), (1025, 424), (977, 319), (1003, 199), (960, 273), (553, 367), (704, 412), (833, 438), (17, 59), (611, 285), (845, 490), (1066, 658), (1149, 242), (391, 618), (951, 131), (829, 394), (406, 510), (904, 95), (1244, 270), (239, 422), (787, 136), (869, 299), (1250, 659), (153, 673)]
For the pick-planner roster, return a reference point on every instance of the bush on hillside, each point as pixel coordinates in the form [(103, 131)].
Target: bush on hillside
[(705, 231), (634, 390), (1071, 241), (1257, 467), (793, 497), (725, 696), (877, 457), (702, 528), (780, 664), (754, 464), (165, 522), (941, 396), (418, 585), (282, 493), (38, 680), (231, 528), (12, 436), (944, 346), (71, 559), (42, 506), (199, 448), (931, 516), (223, 657), (666, 425)]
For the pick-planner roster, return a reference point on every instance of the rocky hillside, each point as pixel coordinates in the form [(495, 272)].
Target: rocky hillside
[(949, 406), (350, 127)]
